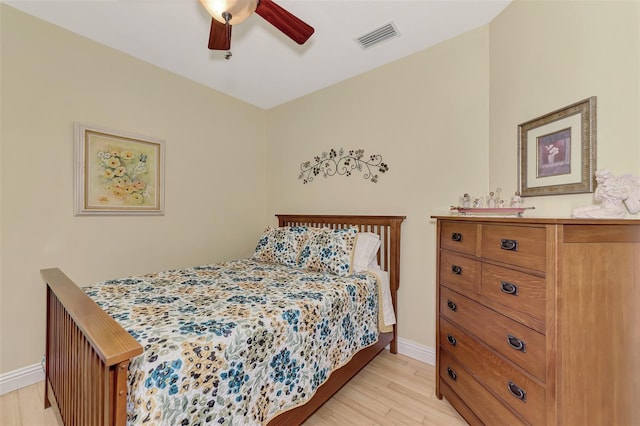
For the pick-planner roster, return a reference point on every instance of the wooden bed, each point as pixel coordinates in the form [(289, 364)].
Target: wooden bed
[(88, 352)]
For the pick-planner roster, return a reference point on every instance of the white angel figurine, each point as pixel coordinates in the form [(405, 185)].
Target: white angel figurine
[(613, 194)]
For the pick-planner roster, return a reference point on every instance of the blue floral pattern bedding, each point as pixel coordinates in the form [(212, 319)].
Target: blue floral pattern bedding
[(237, 342)]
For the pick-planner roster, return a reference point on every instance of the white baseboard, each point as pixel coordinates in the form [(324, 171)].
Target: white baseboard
[(31, 374), (417, 351), (21, 378)]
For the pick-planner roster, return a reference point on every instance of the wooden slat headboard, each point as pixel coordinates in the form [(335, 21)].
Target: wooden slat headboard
[(387, 227)]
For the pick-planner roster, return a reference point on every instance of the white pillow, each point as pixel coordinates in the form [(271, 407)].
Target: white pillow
[(367, 246)]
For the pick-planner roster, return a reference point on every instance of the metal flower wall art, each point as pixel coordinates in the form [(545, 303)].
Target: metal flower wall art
[(343, 163)]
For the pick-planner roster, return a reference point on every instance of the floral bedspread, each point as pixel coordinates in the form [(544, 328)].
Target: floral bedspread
[(237, 342)]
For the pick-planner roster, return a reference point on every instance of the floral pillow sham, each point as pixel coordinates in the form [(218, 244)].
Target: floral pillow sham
[(329, 250), (282, 245)]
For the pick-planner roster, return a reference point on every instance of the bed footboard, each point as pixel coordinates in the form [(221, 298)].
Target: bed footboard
[(87, 356)]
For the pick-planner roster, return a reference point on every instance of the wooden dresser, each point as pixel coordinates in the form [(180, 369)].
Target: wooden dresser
[(538, 320)]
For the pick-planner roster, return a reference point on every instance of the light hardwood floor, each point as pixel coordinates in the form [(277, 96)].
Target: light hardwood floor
[(390, 390)]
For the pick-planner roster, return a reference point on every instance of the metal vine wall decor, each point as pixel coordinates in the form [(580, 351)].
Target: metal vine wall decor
[(342, 162)]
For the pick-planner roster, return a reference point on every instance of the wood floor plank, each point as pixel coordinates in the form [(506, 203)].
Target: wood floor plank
[(401, 418), (31, 408), (391, 390), (51, 417), (358, 401), (376, 392), (10, 409), (335, 412), (411, 408)]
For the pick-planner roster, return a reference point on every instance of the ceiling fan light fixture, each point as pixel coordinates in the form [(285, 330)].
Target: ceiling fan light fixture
[(238, 9)]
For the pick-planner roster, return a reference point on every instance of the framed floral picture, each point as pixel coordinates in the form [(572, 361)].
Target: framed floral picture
[(557, 151), (117, 173)]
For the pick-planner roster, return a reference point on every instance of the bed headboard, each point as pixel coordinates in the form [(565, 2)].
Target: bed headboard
[(387, 227)]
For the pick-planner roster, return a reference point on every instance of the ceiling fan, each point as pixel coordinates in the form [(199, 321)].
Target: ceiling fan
[(226, 13)]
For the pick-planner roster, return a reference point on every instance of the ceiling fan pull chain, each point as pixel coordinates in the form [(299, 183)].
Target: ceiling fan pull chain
[(227, 17)]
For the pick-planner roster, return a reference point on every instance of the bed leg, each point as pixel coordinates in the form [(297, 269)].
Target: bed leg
[(393, 346), (47, 403)]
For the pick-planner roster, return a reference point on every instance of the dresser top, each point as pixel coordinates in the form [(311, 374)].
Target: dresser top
[(540, 220)]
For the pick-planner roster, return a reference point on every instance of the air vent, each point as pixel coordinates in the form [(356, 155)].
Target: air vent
[(377, 36)]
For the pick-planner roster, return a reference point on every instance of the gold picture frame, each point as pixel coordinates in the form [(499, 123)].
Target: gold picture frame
[(557, 151), (117, 173)]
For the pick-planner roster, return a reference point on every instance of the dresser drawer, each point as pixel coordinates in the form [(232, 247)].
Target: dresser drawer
[(520, 344), (461, 237), (522, 293), (516, 389), (459, 272), (484, 405), (517, 245)]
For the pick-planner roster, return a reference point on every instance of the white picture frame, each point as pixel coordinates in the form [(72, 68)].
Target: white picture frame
[(117, 173)]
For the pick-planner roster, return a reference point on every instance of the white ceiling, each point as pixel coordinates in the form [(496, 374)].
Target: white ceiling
[(266, 68)]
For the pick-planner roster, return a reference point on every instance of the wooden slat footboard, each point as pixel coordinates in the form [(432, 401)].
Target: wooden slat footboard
[(87, 355)]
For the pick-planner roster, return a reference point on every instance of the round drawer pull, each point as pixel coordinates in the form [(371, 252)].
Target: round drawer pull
[(452, 340), (508, 288), (517, 344), (452, 374), (517, 391), (455, 269), (457, 237), (509, 245), (451, 305)]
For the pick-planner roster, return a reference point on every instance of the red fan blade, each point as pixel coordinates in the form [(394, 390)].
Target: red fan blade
[(220, 36), (290, 25)]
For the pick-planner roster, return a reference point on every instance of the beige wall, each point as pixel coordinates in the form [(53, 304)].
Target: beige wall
[(427, 115), (549, 54), (215, 170)]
